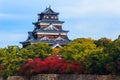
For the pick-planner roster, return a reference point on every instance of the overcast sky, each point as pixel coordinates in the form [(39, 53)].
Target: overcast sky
[(83, 18)]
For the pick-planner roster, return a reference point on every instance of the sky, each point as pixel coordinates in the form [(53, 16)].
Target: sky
[(83, 18)]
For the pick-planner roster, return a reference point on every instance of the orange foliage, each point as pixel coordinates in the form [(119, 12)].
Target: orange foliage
[(56, 51)]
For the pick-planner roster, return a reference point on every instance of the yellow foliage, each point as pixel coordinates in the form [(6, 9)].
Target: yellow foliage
[(56, 51)]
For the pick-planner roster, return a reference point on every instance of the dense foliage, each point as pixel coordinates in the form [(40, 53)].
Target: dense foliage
[(81, 56), (13, 57), (52, 64)]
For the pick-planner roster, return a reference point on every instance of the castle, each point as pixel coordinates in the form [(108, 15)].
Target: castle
[(48, 29)]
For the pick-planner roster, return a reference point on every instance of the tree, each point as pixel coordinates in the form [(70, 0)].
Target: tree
[(13, 57), (84, 50), (114, 54), (39, 50), (56, 51), (103, 42), (10, 60), (35, 50), (78, 49), (96, 63)]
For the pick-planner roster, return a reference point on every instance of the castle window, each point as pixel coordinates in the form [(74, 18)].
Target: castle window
[(56, 17), (52, 17)]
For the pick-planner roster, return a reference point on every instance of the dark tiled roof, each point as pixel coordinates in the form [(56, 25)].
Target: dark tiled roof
[(31, 38), (51, 31), (49, 11), (30, 35), (47, 21), (51, 21), (48, 41)]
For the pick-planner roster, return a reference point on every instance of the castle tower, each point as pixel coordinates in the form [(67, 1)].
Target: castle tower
[(48, 29)]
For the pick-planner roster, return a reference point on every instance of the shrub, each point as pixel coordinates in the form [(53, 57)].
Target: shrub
[(51, 64)]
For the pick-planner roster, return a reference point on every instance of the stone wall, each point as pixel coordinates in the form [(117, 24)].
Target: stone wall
[(66, 77), (1, 78), (16, 78), (45, 77), (88, 77)]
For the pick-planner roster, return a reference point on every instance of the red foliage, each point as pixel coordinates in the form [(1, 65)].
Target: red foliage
[(72, 68), (52, 64)]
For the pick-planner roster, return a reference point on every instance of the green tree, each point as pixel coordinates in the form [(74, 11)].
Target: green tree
[(103, 42), (13, 57), (114, 53), (96, 63), (78, 49), (41, 50), (10, 60), (84, 50)]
